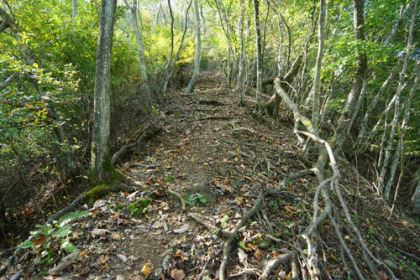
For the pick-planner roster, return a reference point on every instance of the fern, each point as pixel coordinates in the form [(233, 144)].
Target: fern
[(72, 216)]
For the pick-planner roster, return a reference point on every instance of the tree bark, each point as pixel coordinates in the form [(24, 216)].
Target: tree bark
[(258, 55), (360, 75), (74, 9), (226, 30), (241, 73), (398, 111), (272, 106), (171, 71), (140, 50), (101, 166), (320, 56), (197, 48)]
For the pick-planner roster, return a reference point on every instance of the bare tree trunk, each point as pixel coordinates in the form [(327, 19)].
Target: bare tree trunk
[(320, 55), (372, 105), (360, 75), (140, 49), (74, 9), (240, 82), (197, 48), (101, 159), (398, 108), (155, 22), (279, 60), (227, 30), (397, 24), (258, 55), (415, 199), (171, 71)]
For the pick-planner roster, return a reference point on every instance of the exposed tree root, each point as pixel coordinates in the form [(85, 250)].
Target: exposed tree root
[(231, 235), (273, 264), (147, 134), (326, 154)]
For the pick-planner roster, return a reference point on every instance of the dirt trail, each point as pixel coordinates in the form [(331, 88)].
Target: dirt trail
[(214, 154)]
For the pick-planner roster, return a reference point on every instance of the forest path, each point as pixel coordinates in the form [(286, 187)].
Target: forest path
[(213, 153), (217, 156)]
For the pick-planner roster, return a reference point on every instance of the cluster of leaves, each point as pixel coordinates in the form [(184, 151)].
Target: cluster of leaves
[(46, 239)]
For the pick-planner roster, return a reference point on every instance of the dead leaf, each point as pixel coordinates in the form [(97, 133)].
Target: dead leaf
[(179, 254), (146, 269), (133, 258), (103, 259), (177, 274), (100, 232), (116, 236), (122, 258), (243, 257), (182, 229), (39, 241)]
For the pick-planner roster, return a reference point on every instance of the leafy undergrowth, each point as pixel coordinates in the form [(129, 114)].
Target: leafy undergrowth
[(197, 179)]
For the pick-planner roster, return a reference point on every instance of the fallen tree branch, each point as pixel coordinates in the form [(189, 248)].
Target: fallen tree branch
[(147, 134)]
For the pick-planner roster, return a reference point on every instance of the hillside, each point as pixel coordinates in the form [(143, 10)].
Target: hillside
[(218, 189)]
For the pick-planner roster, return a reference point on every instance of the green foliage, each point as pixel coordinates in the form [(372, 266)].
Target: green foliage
[(99, 192), (46, 238), (197, 199), (225, 219), (139, 207)]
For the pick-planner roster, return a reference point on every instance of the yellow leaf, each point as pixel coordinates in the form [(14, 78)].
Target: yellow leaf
[(192, 159), (35, 65), (146, 269)]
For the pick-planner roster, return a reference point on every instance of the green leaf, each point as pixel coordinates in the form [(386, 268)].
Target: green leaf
[(242, 245), (62, 232), (224, 221), (72, 216), (68, 246), (27, 244)]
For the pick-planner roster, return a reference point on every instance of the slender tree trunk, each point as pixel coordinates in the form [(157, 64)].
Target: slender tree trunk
[(360, 75), (227, 30), (372, 105), (264, 34), (398, 110), (320, 55), (258, 54), (172, 67), (140, 50), (155, 22), (397, 24), (101, 160), (279, 60), (169, 63), (197, 48), (74, 9), (240, 82)]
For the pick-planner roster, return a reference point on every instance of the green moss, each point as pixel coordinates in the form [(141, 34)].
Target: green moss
[(117, 176), (99, 192)]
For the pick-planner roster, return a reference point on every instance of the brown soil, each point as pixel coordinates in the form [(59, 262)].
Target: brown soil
[(210, 148)]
